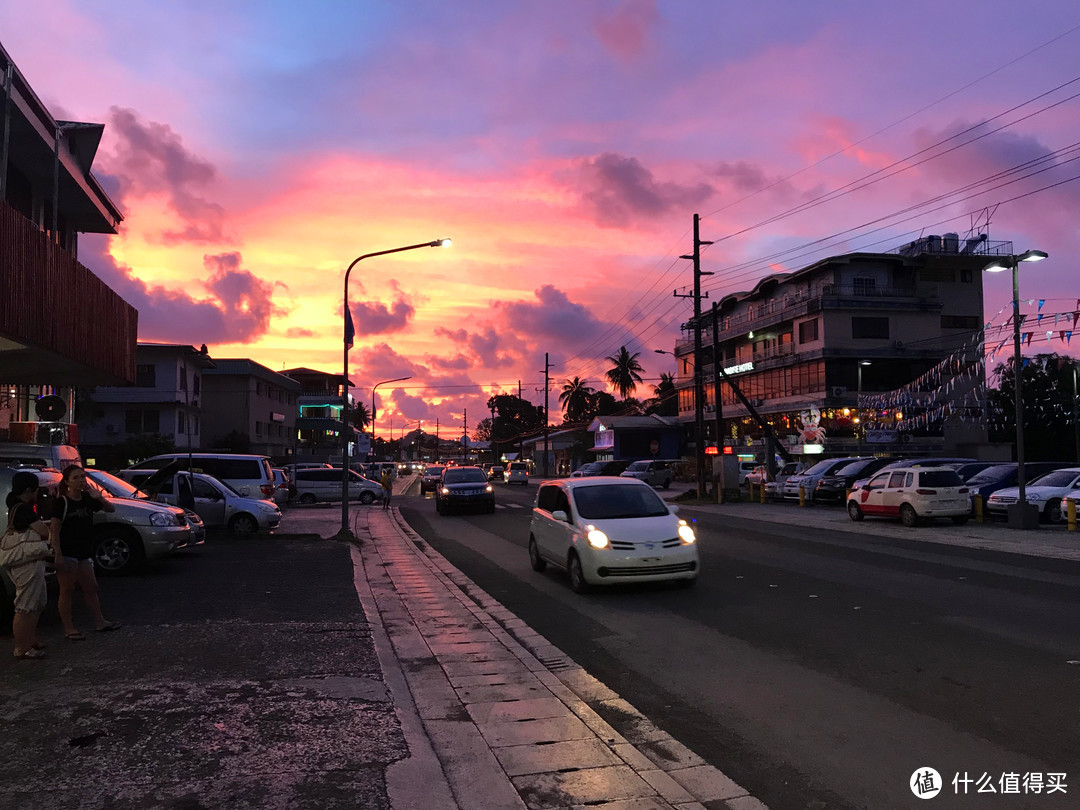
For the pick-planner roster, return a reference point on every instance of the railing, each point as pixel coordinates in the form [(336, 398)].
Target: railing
[(952, 245), (867, 291)]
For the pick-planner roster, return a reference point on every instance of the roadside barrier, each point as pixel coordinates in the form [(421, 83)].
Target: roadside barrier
[(761, 487)]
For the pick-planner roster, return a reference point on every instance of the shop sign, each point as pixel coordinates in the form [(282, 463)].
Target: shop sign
[(739, 369), (881, 436)]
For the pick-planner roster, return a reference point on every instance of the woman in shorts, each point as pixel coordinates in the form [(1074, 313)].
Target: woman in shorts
[(29, 578), (73, 525)]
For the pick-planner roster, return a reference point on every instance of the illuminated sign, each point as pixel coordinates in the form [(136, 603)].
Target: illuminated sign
[(728, 451), (739, 369), (812, 449), (712, 450)]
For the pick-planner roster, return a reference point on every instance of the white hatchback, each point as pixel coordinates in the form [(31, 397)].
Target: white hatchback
[(604, 530), (1048, 492), (911, 494)]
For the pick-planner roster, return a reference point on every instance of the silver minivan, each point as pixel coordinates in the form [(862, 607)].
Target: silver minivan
[(655, 472), (249, 475), (324, 484)]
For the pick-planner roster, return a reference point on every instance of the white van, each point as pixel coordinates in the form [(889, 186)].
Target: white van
[(249, 475), (57, 456)]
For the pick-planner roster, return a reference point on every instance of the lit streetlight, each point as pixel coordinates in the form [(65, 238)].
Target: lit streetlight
[(345, 532), (1022, 515)]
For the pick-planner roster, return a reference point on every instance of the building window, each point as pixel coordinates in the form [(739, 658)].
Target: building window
[(183, 378), (145, 376), (959, 321), (141, 422), (196, 383), (808, 331), (865, 328), (258, 428), (181, 422), (864, 286)]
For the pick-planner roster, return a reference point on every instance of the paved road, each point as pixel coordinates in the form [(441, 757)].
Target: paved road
[(816, 669)]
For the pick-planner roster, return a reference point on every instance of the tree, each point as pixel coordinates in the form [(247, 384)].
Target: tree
[(134, 449), (359, 416), (625, 373), (666, 399), (514, 417), (575, 399), (1047, 388), (482, 430)]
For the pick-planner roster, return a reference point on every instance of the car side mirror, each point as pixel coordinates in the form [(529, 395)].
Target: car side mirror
[(673, 508), (560, 516)]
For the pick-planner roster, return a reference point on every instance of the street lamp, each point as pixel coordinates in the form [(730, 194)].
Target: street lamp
[(373, 389), (858, 405), (344, 533), (1022, 515)]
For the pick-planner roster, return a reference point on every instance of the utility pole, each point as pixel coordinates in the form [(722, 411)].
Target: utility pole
[(699, 384), (716, 364), (547, 369), (436, 440), (465, 431), (494, 454), (521, 433)]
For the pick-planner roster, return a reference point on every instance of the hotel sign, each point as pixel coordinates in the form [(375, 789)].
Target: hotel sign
[(739, 369)]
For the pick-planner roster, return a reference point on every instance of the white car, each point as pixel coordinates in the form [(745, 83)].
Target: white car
[(911, 494), (217, 503), (324, 484), (605, 529), (1047, 492), (516, 472)]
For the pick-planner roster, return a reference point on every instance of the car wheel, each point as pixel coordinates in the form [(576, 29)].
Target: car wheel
[(117, 551), (243, 523), (1053, 512), (307, 498), (960, 520), (578, 583), (908, 515), (367, 497), (537, 562), (854, 511)]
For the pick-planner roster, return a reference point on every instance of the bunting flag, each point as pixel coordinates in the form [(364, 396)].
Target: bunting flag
[(1076, 317), (1068, 337), (1026, 338), (1038, 320), (1041, 302), (1061, 334)]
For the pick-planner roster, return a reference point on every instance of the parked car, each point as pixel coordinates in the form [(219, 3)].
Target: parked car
[(586, 469), (516, 472), (1046, 492), (935, 461), (119, 488), (325, 485), (284, 489), (57, 456), (808, 479), (988, 481), (775, 488), (464, 488), (745, 469), (912, 494), (605, 530), (654, 473), (833, 488), (616, 467), (218, 504), (250, 475), (430, 480)]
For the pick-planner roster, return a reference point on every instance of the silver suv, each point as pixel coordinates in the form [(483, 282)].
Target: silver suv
[(656, 473)]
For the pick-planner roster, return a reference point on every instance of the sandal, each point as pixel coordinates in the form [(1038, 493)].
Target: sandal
[(76, 636), (30, 655), (109, 626)]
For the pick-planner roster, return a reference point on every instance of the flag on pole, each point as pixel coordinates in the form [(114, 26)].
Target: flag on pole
[(350, 332)]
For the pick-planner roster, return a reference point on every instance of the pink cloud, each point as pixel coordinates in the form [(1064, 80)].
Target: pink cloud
[(625, 31)]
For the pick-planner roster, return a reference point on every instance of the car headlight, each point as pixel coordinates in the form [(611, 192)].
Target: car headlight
[(488, 488), (597, 539), (446, 491), (163, 519), (686, 534)]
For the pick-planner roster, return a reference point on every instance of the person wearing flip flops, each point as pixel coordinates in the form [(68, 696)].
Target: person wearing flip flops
[(72, 528), (29, 577)]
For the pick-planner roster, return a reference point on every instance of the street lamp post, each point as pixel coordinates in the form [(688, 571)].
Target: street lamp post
[(1022, 515), (345, 532), (373, 389), (858, 406)]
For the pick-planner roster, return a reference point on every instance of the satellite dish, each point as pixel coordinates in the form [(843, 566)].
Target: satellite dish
[(51, 408)]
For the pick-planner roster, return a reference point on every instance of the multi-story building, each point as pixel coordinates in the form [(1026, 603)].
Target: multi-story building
[(241, 396), (319, 423), (166, 400), (802, 346), (60, 325)]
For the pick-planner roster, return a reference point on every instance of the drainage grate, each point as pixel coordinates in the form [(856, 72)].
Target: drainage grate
[(555, 664)]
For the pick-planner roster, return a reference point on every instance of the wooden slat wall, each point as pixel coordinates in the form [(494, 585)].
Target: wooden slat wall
[(48, 298)]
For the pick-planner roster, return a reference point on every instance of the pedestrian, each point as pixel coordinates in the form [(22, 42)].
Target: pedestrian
[(387, 487), (72, 530), (28, 576)]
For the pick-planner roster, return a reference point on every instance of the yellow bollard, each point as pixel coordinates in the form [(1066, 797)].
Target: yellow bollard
[(1070, 508), (978, 508), (847, 494), (763, 492), (802, 495), (751, 485)]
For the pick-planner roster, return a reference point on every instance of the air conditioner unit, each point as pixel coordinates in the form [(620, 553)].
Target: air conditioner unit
[(839, 390)]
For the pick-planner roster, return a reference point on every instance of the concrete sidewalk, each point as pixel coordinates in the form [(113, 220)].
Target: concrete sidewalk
[(494, 715)]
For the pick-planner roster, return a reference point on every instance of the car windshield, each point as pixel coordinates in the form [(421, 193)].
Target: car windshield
[(1058, 478), (613, 501), (991, 475), (434, 472), (464, 477), (854, 468), (638, 466), (940, 478), (117, 487), (820, 468)]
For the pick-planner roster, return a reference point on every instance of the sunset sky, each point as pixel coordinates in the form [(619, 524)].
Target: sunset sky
[(257, 148)]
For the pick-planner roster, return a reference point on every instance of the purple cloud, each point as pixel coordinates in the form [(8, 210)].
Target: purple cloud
[(488, 347), (619, 191)]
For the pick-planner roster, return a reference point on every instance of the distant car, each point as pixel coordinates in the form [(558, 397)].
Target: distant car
[(616, 467), (1046, 492), (745, 469), (588, 468), (217, 503), (495, 473), (321, 484), (517, 472), (912, 494), (284, 488), (604, 530), (775, 488), (988, 481), (833, 488), (808, 479), (429, 482), (464, 488), (654, 473)]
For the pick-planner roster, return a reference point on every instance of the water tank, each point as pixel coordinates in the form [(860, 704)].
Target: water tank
[(933, 243), (952, 243)]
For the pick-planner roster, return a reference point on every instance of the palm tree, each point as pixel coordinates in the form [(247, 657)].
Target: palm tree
[(360, 416), (575, 398), (625, 374), (664, 402)]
